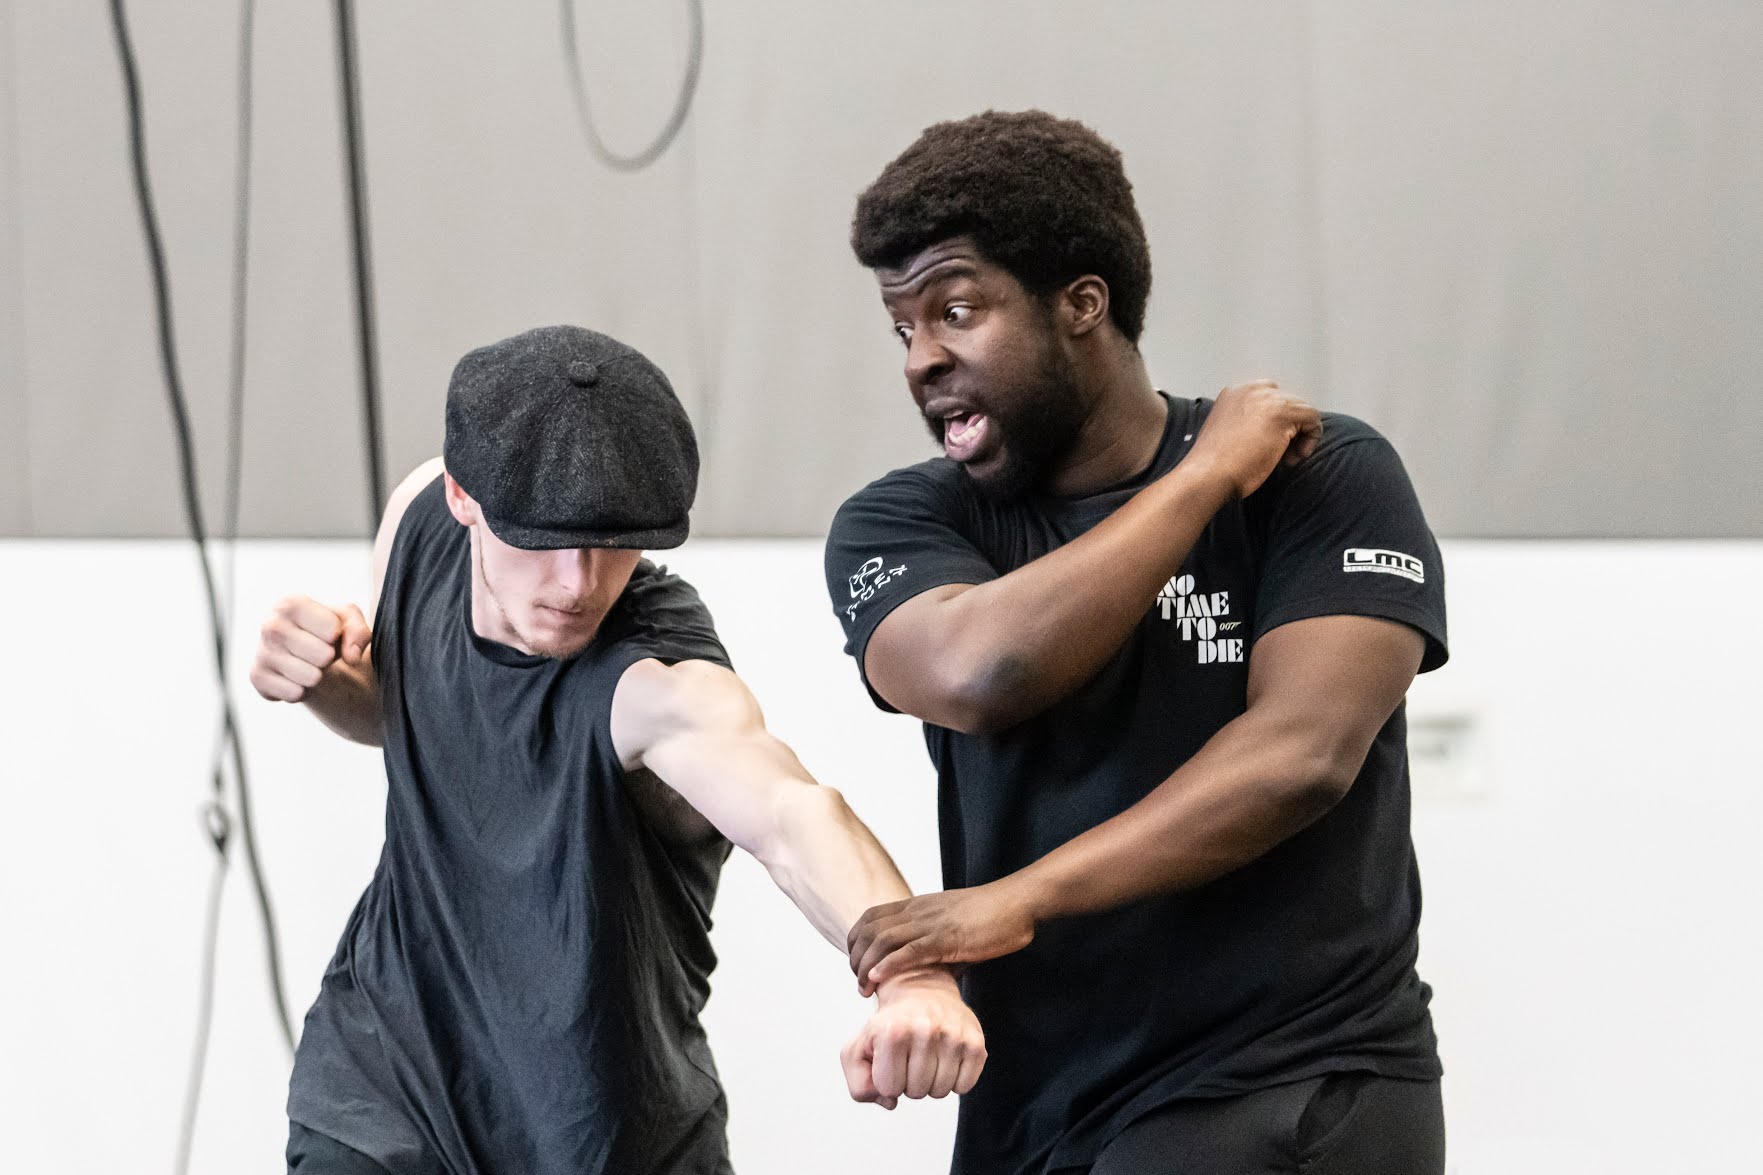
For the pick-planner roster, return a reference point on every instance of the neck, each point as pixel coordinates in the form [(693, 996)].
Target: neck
[(487, 620), (1119, 437)]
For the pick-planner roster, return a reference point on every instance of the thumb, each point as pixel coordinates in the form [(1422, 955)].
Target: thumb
[(858, 1061), (356, 634), (917, 953)]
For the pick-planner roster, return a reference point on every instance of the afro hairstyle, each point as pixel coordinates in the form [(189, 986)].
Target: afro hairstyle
[(1046, 198)]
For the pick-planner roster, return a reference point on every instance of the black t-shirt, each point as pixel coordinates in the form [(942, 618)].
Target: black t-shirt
[(519, 988), (1299, 963)]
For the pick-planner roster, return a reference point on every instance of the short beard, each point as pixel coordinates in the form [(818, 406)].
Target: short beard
[(1038, 430), (534, 647)]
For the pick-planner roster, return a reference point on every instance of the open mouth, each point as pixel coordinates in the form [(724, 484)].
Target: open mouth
[(964, 433)]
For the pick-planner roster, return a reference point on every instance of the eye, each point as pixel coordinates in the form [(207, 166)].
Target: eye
[(955, 315), (902, 332)]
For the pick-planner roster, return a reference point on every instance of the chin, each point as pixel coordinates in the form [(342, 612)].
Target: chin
[(558, 650), (558, 646), (1004, 480)]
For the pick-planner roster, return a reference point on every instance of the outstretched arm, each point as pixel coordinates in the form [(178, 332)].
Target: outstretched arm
[(1319, 691), (699, 729), (322, 655), (984, 657)]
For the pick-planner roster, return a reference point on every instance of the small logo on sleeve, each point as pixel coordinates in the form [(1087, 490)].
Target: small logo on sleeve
[(1388, 562), (869, 579)]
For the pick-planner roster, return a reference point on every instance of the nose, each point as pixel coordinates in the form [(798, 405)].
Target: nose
[(926, 360), (573, 570)]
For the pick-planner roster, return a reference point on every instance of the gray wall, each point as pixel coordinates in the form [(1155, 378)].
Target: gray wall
[(1524, 240)]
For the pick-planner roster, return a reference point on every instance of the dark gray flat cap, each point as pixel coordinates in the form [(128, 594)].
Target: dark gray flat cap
[(568, 438)]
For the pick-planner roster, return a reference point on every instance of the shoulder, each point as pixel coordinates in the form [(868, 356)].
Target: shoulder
[(426, 476), (665, 615), (683, 693), (1340, 431), (420, 498), (935, 483), (655, 701), (1352, 459), (424, 483)]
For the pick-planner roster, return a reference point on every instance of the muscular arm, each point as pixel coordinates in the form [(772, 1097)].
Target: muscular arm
[(696, 726), (984, 657), (321, 656), (1319, 691)]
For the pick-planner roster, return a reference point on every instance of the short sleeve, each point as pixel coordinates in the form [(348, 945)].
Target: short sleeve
[(892, 540), (1346, 537)]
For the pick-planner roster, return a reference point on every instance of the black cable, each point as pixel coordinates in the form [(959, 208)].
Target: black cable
[(681, 107), (192, 502), (220, 832), (241, 258), (355, 163), (216, 820)]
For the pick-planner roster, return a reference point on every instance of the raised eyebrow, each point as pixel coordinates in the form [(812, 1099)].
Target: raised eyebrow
[(940, 274)]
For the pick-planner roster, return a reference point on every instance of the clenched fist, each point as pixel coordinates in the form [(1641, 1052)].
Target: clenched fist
[(921, 1042), (300, 641), (1252, 430)]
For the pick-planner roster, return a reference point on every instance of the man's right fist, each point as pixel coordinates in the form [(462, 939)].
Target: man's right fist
[(301, 639), (1251, 431)]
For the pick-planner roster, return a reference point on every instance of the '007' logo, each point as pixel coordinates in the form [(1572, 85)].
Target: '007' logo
[(1200, 617)]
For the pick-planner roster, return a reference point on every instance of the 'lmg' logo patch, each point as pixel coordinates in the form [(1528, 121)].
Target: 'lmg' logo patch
[(1387, 562)]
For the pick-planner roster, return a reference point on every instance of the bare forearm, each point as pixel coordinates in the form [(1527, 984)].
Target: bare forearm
[(347, 701), (828, 861), (1248, 789), (1027, 639)]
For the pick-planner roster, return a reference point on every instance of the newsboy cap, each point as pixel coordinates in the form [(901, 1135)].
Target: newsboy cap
[(569, 438)]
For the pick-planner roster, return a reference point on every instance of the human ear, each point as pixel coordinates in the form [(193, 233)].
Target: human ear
[(1083, 304), (460, 504)]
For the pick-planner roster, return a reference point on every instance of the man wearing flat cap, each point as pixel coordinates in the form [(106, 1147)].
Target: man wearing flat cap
[(568, 759)]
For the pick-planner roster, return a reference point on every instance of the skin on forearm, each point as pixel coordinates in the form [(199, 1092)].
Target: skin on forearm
[(347, 701), (698, 728), (986, 656), (1249, 788), (825, 859), (1319, 691)]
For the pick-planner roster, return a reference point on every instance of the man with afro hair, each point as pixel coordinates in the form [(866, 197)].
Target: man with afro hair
[(1159, 645)]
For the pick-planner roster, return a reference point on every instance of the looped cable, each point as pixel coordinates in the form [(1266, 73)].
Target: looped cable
[(681, 107), (218, 823)]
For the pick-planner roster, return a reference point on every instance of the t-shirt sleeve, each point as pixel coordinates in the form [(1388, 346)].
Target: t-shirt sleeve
[(1346, 537), (892, 540)]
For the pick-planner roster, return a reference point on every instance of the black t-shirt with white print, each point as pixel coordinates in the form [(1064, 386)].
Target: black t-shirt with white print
[(1297, 964)]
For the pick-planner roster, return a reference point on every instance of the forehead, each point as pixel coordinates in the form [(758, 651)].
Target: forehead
[(943, 261)]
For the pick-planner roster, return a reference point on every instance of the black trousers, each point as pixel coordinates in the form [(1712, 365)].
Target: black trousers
[(1339, 1124)]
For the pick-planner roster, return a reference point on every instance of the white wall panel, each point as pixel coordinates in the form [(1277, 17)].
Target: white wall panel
[(1589, 927)]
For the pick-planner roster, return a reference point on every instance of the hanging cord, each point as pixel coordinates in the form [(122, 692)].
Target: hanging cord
[(681, 107), (192, 502), (217, 821), (220, 830), (355, 164)]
